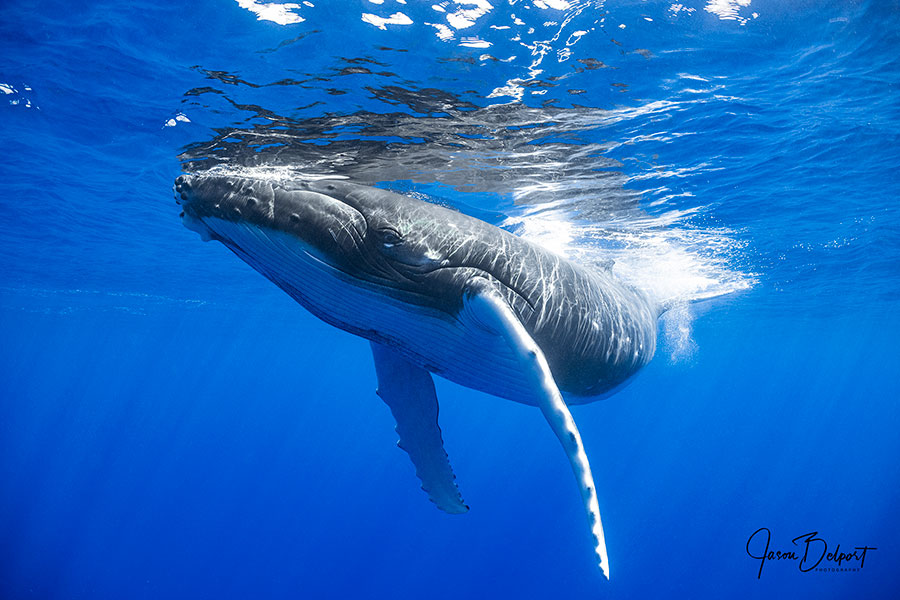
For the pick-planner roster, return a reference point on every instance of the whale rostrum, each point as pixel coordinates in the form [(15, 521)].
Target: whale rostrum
[(439, 292)]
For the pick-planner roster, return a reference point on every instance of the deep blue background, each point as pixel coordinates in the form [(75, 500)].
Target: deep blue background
[(173, 426)]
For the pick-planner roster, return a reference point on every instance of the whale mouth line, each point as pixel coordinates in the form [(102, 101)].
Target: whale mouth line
[(304, 251), (207, 230), (196, 224)]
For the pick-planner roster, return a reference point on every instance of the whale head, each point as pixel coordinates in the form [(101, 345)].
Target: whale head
[(298, 232)]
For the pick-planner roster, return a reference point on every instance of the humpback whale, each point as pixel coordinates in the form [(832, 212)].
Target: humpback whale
[(435, 291)]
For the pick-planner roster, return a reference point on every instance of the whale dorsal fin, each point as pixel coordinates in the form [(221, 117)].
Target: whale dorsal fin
[(408, 391), (484, 303)]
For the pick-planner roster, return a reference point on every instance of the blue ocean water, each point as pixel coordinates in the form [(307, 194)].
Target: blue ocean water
[(174, 426)]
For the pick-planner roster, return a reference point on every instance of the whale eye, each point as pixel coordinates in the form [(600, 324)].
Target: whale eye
[(389, 236)]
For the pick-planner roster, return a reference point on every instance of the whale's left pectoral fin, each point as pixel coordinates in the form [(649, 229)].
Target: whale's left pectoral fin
[(484, 305), (409, 392)]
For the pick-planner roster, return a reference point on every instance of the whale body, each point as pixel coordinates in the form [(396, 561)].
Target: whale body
[(439, 292)]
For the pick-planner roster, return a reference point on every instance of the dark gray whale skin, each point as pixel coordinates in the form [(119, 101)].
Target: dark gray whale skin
[(594, 330)]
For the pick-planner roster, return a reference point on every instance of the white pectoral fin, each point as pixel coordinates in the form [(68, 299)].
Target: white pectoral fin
[(409, 392), (487, 307)]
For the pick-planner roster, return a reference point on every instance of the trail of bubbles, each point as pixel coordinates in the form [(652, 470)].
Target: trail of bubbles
[(663, 255)]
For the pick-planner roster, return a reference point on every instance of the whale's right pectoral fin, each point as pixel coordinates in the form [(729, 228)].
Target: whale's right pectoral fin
[(408, 391), (486, 306)]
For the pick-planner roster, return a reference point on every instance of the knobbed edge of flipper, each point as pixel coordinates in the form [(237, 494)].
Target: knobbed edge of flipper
[(408, 390), (488, 308)]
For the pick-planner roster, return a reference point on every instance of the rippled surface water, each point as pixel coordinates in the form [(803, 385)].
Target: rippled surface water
[(174, 427)]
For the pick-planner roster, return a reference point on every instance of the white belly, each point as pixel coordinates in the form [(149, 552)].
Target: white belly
[(451, 346)]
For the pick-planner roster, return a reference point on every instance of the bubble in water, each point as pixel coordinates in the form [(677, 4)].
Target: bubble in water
[(677, 327)]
